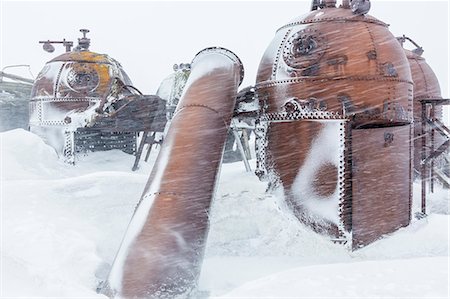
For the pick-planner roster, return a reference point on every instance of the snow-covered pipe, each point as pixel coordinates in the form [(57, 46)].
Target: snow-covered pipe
[(162, 252)]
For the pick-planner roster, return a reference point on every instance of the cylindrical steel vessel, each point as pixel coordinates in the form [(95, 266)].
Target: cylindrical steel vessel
[(324, 76), (72, 82), (426, 86), (162, 252)]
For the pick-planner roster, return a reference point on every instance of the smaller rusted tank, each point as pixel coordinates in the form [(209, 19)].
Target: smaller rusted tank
[(426, 86), (336, 92), (84, 101), (74, 81)]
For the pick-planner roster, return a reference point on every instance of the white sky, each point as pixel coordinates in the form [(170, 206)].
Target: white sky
[(148, 37)]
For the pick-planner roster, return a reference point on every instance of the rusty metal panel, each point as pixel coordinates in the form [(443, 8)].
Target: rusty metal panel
[(307, 164), (137, 113), (381, 182)]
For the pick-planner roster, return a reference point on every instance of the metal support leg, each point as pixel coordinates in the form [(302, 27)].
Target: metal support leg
[(150, 145), (432, 118), (246, 144), (238, 140), (423, 166), (139, 151), (241, 150)]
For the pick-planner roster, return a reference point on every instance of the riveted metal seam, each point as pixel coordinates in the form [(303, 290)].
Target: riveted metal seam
[(326, 79), (279, 51), (374, 47), (340, 20), (201, 106), (56, 99), (58, 77)]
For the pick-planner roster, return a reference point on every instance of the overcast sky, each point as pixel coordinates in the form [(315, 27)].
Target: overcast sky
[(148, 37)]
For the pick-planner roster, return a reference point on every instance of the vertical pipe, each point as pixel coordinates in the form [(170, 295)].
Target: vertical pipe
[(162, 252), (423, 166), (411, 169), (432, 118)]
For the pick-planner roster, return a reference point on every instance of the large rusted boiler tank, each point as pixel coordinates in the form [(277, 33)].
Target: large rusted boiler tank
[(336, 92)]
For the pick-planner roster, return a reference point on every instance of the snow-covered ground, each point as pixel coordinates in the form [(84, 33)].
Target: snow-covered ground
[(61, 226)]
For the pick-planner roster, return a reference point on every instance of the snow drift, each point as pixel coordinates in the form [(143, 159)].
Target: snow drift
[(61, 226)]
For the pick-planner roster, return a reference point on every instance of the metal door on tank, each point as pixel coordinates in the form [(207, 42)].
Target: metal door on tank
[(381, 182)]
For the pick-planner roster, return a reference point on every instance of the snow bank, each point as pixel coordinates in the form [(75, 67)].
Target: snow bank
[(61, 227), (247, 221), (26, 156), (61, 224), (422, 238), (438, 202), (418, 278), (254, 235)]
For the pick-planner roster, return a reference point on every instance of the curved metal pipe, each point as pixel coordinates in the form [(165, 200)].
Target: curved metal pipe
[(418, 50), (162, 252)]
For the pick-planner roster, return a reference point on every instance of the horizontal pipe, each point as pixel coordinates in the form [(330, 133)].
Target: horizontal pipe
[(15, 77), (162, 252)]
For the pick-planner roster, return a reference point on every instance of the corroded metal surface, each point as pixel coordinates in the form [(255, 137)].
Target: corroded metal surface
[(70, 85), (426, 86), (331, 65), (355, 68), (162, 252), (137, 113), (377, 207), (87, 98)]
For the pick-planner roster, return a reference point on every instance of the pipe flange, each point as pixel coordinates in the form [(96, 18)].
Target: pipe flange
[(226, 53)]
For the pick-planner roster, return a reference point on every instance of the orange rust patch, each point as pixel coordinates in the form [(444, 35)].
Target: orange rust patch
[(325, 180)]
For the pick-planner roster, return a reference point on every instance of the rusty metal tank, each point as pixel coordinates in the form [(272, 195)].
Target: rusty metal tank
[(426, 86), (76, 81), (336, 92)]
